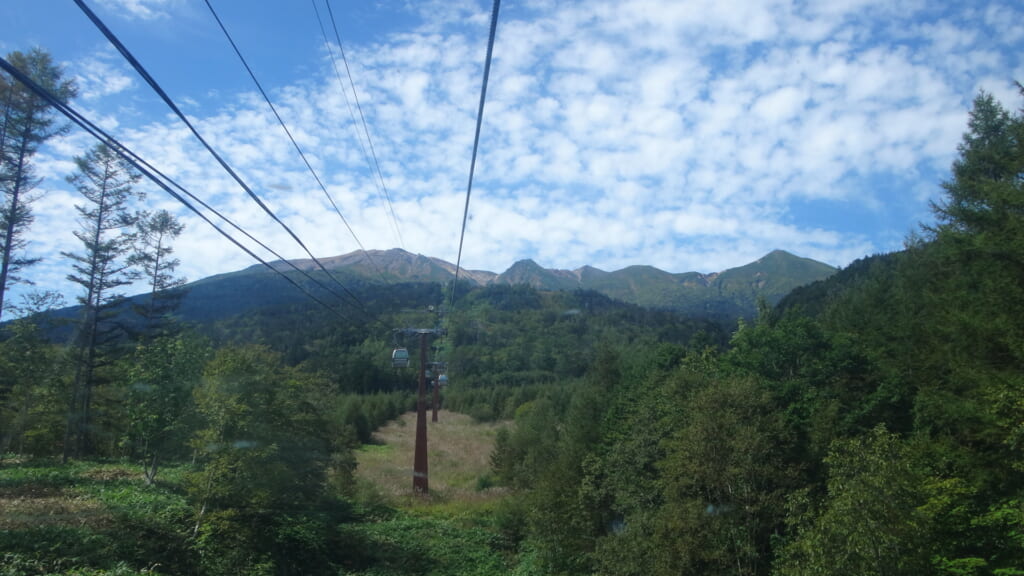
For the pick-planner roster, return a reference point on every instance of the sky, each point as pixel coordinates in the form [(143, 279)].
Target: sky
[(688, 135)]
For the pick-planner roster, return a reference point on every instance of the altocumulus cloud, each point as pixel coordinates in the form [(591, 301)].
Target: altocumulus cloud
[(689, 136)]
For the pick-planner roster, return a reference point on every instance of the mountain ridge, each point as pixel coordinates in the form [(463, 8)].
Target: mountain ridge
[(730, 292), (358, 260), (720, 296)]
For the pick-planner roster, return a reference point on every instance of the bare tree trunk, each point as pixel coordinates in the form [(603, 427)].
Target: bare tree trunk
[(150, 471)]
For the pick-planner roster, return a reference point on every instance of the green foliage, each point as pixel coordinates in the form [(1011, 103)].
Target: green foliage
[(159, 404), (405, 545), (53, 548), (489, 404), (872, 522), (266, 448), (32, 392), (554, 339), (263, 429), (724, 480), (112, 521)]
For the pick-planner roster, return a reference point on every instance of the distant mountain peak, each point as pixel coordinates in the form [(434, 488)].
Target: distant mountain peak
[(525, 263), (527, 271)]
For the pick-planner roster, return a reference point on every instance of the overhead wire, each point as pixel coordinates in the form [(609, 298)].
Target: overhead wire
[(476, 145), (382, 191), (159, 179), (344, 94), (288, 132), (366, 129), (116, 42)]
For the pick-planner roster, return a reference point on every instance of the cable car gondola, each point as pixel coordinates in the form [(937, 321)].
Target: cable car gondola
[(400, 358)]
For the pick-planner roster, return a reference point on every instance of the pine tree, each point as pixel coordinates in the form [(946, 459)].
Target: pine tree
[(153, 256), (985, 197), (26, 121), (980, 239), (105, 180)]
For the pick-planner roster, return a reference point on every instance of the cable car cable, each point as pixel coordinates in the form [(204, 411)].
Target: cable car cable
[(476, 144), (344, 94), (148, 170), (170, 103), (378, 182), (366, 129), (152, 173), (344, 89), (290, 137)]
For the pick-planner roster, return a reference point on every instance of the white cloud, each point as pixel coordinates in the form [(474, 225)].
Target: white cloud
[(101, 75), (140, 9), (616, 133), (1006, 21)]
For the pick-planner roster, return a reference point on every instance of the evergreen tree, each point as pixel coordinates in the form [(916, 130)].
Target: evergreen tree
[(105, 181), (974, 413), (984, 198), (26, 121), (153, 255)]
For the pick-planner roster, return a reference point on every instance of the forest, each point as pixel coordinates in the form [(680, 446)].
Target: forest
[(869, 424)]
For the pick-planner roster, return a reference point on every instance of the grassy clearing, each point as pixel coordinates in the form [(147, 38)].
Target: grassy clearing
[(458, 453), (45, 494), (458, 529)]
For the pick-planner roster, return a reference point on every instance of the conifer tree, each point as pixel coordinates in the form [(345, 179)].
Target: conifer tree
[(153, 255), (980, 238), (26, 121), (105, 180)]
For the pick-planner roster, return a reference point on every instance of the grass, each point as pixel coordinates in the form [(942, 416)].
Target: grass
[(458, 455), (456, 529), (86, 518), (411, 544)]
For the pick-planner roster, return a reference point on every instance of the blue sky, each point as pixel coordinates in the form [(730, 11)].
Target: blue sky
[(693, 135)]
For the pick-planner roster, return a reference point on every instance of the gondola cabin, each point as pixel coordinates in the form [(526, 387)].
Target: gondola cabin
[(442, 380), (400, 358)]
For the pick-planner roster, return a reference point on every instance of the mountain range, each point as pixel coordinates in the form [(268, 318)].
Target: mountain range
[(730, 293)]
